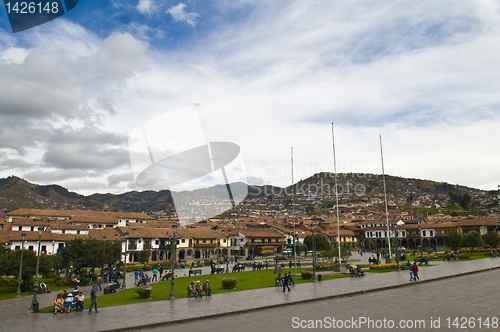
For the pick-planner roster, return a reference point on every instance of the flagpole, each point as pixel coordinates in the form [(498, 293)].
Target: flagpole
[(336, 193), (293, 216), (385, 196)]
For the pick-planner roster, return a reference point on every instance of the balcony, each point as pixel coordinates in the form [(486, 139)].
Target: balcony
[(147, 247), (207, 245), (132, 247), (165, 247)]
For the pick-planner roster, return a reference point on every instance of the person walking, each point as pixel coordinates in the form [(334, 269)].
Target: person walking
[(155, 272), (136, 275), (410, 268), (99, 282), (91, 276), (286, 280), (415, 272), (93, 299)]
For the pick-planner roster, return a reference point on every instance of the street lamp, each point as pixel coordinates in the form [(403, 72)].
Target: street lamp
[(227, 259), (314, 253), (125, 236), (420, 237), (218, 245), (172, 262), (18, 293), (395, 226), (34, 302)]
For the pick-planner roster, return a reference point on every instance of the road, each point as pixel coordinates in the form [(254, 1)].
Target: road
[(472, 299)]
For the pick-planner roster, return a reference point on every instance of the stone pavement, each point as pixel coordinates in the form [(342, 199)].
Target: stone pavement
[(15, 316)]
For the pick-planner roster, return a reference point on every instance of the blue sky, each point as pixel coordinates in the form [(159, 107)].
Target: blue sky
[(267, 76)]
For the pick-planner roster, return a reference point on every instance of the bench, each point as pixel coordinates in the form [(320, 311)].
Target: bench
[(111, 288), (219, 270), (257, 267), (194, 272), (373, 260), (238, 268), (167, 276)]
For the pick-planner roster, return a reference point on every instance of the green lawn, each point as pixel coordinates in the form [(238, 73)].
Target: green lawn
[(161, 290), (9, 292)]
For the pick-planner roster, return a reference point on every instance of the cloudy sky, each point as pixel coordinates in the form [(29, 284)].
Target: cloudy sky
[(266, 75)]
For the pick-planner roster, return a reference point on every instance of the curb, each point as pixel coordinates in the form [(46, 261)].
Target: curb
[(236, 312)]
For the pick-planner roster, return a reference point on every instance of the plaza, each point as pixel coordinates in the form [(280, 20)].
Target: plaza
[(162, 313)]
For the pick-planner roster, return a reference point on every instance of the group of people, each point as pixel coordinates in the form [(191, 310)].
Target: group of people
[(285, 280), (66, 302), (198, 289), (413, 268), (142, 279)]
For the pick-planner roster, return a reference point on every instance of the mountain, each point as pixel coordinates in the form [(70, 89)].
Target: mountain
[(18, 193)]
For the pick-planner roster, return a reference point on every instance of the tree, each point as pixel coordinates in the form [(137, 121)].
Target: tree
[(143, 256), (454, 239), (12, 262), (322, 242), (80, 254), (491, 239), (473, 239)]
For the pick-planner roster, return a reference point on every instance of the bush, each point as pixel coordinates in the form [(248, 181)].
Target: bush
[(229, 283), (391, 266), (306, 275), (144, 291)]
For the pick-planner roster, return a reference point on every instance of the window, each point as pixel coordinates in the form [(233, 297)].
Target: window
[(157, 242), (20, 228), (431, 233), (77, 232), (424, 233), (18, 248), (30, 247), (44, 248), (183, 241), (146, 241), (32, 228), (63, 231)]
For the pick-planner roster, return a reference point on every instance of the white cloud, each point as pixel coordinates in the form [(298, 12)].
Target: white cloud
[(146, 6), (179, 14)]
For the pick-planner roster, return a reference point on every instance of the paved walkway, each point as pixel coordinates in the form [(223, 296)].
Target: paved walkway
[(15, 316)]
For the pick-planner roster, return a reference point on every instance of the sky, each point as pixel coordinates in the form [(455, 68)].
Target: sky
[(265, 75)]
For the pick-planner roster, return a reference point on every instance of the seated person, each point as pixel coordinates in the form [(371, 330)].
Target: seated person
[(359, 271), (44, 288), (199, 289), (290, 279), (79, 302), (354, 270), (59, 304), (192, 290), (68, 303), (207, 289), (280, 279)]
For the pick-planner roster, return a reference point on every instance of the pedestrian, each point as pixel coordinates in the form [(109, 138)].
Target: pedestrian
[(136, 275), (410, 268), (415, 272), (160, 269), (99, 282), (91, 276), (286, 280), (290, 265), (155, 272), (93, 299)]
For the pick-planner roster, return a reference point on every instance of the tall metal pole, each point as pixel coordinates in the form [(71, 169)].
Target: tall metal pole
[(314, 253), (18, 292), (172, 264), (125, 261), (385, 196), (34, 302), (227, 253), (336, 193), (293, 221)]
